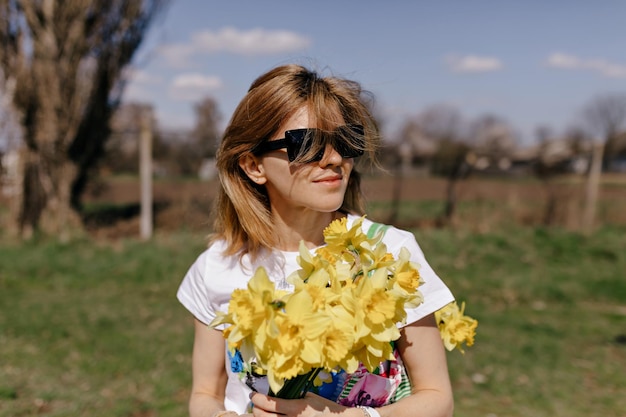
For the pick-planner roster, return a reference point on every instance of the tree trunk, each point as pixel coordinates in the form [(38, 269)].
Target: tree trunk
[(459, 171), (550, 211), (451, 200), (32, 196), (45, 202), (396, 194)]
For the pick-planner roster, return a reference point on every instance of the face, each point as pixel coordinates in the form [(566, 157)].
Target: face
[(317, 186)]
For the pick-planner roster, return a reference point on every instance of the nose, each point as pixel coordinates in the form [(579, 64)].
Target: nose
[(331, 156)]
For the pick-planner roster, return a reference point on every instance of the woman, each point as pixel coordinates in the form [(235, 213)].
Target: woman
[(286, 166)]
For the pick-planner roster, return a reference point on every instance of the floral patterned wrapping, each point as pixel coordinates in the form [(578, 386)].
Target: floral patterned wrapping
[(386, 384)]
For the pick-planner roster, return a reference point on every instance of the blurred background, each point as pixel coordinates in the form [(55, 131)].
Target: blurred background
[(504, 127), (464, 93)]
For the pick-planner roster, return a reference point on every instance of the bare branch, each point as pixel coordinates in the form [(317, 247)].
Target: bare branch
[(606, 114)]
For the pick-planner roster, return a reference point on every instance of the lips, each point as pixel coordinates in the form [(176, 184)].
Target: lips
[(331, 178)]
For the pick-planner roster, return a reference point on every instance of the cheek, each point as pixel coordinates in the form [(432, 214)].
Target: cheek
[(348, 166), (283, 177), (275, 167)]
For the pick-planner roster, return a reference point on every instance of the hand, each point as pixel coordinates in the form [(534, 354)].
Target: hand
[(311, 405)]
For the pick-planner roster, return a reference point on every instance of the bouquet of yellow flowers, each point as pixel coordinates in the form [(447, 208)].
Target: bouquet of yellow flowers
[(347, 300)]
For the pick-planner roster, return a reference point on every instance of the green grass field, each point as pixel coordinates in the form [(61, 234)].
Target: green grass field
[(94, 329)]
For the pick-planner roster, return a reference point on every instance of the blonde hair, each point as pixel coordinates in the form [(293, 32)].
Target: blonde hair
[(242, 211)]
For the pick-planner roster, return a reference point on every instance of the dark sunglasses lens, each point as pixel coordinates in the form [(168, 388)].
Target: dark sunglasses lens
[(349, 142), (295, 140), (347, 151)]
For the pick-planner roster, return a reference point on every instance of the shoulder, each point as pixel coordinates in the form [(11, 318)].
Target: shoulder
[(212, 267), (221, 272), (208, 284), (212, 256), (394, 237), (436, 293)]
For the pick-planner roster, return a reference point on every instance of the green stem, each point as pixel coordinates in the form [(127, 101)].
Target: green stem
[(296, 387)]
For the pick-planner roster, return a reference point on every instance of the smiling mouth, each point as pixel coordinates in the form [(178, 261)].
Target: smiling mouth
[(329, 180)]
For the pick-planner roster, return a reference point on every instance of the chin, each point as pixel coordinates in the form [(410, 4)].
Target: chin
[(328, 208)]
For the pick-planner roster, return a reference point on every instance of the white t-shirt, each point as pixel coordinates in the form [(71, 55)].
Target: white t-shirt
[(210, 281)]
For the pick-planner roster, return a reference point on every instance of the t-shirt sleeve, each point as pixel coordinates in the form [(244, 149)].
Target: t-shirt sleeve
[(192, 292), (436, 293)]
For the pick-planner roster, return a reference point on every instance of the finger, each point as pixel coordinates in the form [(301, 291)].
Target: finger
[(265, 403)]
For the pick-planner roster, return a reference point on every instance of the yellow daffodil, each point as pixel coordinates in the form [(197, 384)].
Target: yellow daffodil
[(309, 264), (371, 351), (343, 243), (338, 340), (406, 279), (456, 328), (376, 303), (281, 370), (335, 233)]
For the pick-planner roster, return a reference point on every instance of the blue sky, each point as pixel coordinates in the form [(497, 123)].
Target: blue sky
[(530, 62)]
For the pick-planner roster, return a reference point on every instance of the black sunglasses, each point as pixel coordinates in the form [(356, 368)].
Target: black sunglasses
[(347, 140)]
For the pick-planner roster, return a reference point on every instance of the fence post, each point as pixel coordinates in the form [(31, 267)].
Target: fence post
[(593, 185), (145, 173)]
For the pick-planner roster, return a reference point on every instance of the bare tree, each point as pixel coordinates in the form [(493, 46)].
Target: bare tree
[(606, 116), (206, 130), (400, 158), (441, 121), (67, 60), (435, 136), (578, 140), (445, 125), (553, 157), (493, 138)]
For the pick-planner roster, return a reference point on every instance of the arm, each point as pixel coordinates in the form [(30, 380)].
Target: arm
[(209, 374), (425, 360), (424, 356)]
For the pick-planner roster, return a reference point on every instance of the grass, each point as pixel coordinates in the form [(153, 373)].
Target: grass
[(94, 329), (552, 313), (91, 330)]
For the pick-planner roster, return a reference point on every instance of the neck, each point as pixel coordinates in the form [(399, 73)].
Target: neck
[(302, 226)]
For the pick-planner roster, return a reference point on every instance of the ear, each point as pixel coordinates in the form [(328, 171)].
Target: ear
[(253, 168)]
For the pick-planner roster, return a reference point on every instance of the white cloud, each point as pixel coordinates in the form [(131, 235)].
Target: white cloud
[(197, 81), (251, 42), (177, 55), (473, 63), (601, 66), (193, 86), (241, 42), (559, 60)]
